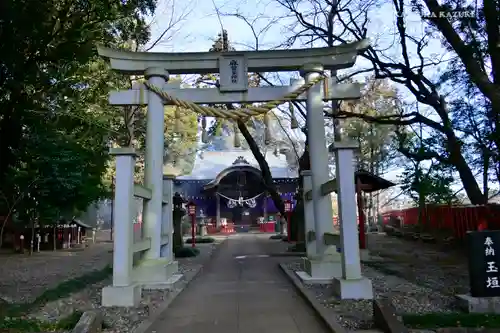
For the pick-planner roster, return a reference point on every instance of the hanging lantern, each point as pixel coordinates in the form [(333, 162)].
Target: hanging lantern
[(204, 134), (237, 142), (293, 122), (177, 121), (267, 130), (191, 208)]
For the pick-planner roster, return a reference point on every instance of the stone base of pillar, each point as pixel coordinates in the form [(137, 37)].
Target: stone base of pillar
[(166, 251), (156, 274), (173, 283), (320, 270), (353, 289), (129, 296), (366, 256), (311, 249), (479, 304)]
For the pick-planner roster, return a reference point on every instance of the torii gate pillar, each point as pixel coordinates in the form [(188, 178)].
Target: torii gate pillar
[(153, 171), (325, 263), (155, 269)]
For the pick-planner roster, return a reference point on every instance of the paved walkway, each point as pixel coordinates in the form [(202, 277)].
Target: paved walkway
[(239, 292)]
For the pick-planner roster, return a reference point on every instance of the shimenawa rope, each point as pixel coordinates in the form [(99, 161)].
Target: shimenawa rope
[(237, 114)]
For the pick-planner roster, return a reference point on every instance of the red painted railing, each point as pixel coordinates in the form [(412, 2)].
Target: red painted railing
[(457, 220)]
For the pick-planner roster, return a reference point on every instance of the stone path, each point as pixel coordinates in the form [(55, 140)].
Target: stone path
[(241, 291)]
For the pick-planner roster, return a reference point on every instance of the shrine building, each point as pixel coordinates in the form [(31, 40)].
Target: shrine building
[(227, 187)]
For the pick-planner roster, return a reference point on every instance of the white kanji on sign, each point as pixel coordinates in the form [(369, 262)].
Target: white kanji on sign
[(492, 282), (491, 267), (489, 251), (488, 241)]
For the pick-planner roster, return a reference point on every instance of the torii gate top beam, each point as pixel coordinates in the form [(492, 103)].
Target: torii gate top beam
[(135, 63)]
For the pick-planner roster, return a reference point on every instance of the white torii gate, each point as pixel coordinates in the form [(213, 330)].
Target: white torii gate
[(157, 268)]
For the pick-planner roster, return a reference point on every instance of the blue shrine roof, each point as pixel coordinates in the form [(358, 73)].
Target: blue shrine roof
[(210, 163)]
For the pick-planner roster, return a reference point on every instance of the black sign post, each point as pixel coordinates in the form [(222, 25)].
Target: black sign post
[(484, 263)]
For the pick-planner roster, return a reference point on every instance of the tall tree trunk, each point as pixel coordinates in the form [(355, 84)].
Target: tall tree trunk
[(32, 237), (457, 159), (469, 182), (486, 168), (54, 238), (10, 137), (421, 211), (264, 168)]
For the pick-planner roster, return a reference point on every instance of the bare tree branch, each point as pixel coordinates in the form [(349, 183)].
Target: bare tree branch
[(175, 21), (402, 71)]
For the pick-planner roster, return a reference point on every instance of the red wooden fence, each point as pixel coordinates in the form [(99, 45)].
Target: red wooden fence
[(457, 220)]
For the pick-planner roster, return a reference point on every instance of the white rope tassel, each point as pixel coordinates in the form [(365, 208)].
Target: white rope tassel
[(177, 120), (237, 142), (267, 130), (204, 134)]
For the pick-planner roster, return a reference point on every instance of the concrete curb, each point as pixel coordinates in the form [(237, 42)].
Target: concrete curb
[(90, 322), (145, 325), (288, 254), (318, 309), (384, 316)]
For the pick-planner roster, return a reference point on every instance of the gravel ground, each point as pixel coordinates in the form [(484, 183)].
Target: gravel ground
[(406, 297), (24, 278), (121, 319), (411, 280), (426, 265)]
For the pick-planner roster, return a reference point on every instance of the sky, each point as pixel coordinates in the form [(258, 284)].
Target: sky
[(197, 25), (201, 23)]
